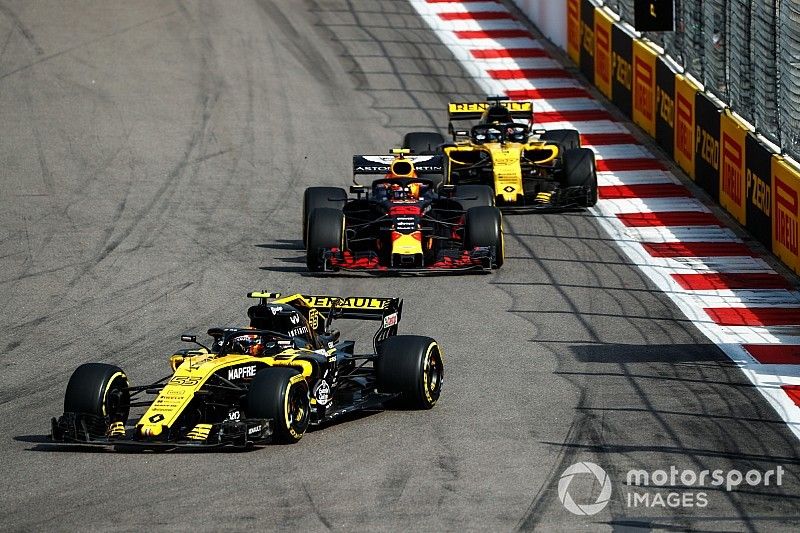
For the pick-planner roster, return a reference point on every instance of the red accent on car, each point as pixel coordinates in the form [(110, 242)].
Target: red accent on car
[(396, 210)]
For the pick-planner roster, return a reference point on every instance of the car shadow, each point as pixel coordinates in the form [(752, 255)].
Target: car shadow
[(283, 244)]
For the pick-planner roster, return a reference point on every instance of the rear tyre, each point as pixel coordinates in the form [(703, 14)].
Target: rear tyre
[(423, 142), (484, 227), (325, 231), (580, 171), (98, 389), (565, 139), (470, 196), (412, 366), (281, 395), (316, 197)]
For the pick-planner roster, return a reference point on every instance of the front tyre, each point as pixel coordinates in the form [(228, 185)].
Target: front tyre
[(281, 395), (316, 197), (474, 196), (98, 389), (483, 227), (325, 231), (412, 366), (580, 171)]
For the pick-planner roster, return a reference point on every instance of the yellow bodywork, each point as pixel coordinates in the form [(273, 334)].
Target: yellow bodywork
[(407, 244), (507, 159), (191, 374)]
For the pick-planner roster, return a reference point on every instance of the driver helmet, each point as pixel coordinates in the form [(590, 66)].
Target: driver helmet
[(496, 114), (248, 344), (398, 191), (516, 132)]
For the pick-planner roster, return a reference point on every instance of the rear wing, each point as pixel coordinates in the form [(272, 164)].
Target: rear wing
[(474, 110), (386, 310), (380, 164)]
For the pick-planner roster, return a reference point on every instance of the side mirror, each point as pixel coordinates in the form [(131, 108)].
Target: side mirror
[(189, 338)]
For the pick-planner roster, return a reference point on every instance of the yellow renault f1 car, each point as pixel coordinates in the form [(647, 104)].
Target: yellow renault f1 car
[(264, 383), (527, 169)]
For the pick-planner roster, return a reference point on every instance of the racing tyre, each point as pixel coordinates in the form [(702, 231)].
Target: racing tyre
[(315, 197), (423, 142), (412, 366), (325, 231), (484, 227), (98, 389), (580, 171), (565, 139), (281, 395), (474, 196)]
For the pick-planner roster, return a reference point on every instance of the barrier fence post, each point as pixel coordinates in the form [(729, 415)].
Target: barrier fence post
[(621, 75), (665, 106), (732, 166), (685, 91), (602, 51), (587, 40), (758, 189), (574, 30), (644, 86), (785, 212), (706, 142)]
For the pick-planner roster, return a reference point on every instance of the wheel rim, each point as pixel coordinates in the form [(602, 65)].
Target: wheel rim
[(433, 374), (116, 401), (296, 411)]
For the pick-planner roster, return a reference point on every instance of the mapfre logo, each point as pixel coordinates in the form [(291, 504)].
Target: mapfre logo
[(643, 88), (732, 165), (684, 125), (786, 215), (584, 509)]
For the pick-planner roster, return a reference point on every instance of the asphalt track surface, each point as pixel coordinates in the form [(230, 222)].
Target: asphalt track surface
[(153, 158)]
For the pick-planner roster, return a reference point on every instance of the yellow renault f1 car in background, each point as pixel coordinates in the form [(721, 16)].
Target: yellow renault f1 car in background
[(268, 382), (527, 169)]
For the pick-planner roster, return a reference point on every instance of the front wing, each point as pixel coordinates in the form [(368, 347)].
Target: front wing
[(89, 430), (479, 259)]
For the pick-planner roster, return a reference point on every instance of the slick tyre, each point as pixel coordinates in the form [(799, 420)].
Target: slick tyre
[(470, 196), (325, 231), (412, 366), (423, 142), (484, 227), (98, 389), (580, 171), (565, 139), (315, 197), (281, 395)]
